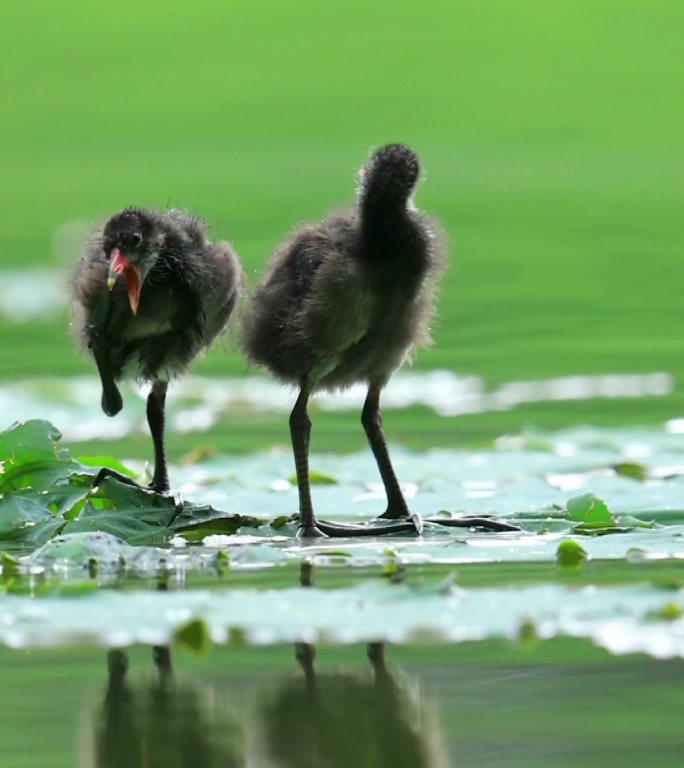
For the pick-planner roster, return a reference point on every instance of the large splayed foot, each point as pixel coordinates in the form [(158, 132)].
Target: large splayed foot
[(312, 531), (106, 473), (396, 510), (483, 522), (399, 511), (413, 524), (322, 529)]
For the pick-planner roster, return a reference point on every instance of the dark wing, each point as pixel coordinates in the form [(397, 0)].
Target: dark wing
[(223, 282), (270, 330)]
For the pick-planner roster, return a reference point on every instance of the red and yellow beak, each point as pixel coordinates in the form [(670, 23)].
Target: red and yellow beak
[(119, 264)]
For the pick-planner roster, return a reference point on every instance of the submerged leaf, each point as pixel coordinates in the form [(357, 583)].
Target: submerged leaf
[(315, 478)]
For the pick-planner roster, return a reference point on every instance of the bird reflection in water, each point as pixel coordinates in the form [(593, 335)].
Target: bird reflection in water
[(333, 719), (340, 718), (162, 722), (362, 718)]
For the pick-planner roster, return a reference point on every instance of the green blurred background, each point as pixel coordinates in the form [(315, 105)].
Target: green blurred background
[(552, 136)]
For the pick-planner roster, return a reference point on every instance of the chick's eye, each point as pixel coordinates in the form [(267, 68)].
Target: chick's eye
[(135, 240)]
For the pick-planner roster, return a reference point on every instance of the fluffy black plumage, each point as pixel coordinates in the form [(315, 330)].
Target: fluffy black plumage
[(149, 294), (348, 300)]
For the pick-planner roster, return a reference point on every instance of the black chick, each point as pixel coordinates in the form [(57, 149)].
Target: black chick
[(345, 301), (150, 292)]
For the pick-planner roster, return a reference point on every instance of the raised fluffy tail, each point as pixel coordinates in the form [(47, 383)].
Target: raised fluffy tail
[(388, 178)]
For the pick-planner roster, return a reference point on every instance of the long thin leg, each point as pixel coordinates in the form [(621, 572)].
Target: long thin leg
[(372, 424), (300, 434), (156, 401), (155, 418), (309, 527), (397, 509)]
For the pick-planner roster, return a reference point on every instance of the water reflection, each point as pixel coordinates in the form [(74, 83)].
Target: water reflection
[(368, 717), (348, 718), (162, 721)]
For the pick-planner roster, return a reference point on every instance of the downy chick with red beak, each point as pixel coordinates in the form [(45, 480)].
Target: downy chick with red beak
[(151, 292)]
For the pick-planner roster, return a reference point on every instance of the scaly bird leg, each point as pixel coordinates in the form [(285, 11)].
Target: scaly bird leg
[(397, 509), (156, 401), (309, 526), (160, 479), (300, 434), (155, 419)]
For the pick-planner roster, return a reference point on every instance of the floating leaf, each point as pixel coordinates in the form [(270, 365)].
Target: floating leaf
[(10, 567), (589, 510), (570, 554), (133, 514), (222, 561), (528, 634), (200, 453), (29, 441), (29, 457), (669, 612), (98, 462), (79, 549), (281, 521), (629, 521), (193, 636), (634, 469), (215, 523), (597, 529), (315, 478)]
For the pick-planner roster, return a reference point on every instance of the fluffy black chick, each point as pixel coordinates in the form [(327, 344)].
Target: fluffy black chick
[(346, 301), (151, 292)]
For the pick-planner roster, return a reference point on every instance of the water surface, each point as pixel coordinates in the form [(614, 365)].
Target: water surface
[(490, 705)]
